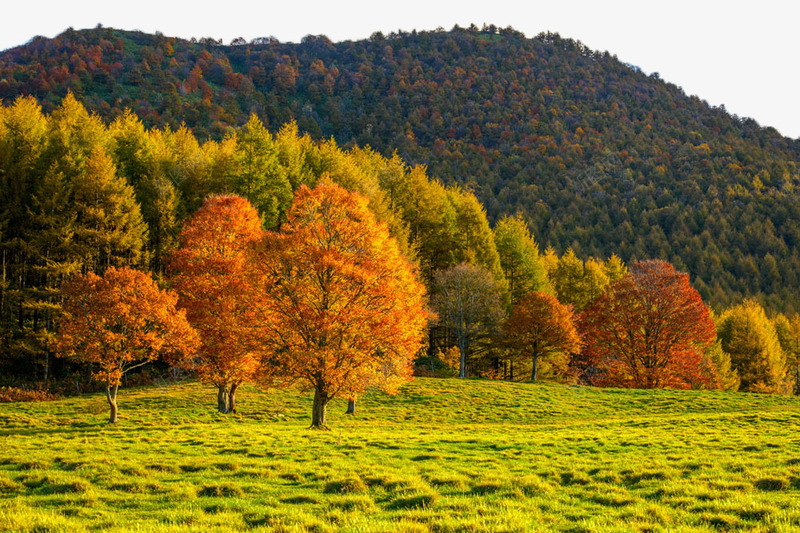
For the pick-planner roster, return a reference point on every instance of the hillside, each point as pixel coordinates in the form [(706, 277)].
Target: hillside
[(597, 155), (443, 455)]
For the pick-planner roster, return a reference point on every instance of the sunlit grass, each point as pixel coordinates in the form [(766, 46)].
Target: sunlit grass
[(443, 455)]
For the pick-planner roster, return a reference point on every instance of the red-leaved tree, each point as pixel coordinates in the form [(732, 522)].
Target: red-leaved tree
[(340, 307), (209, 276), (647, 330), (119, 322)]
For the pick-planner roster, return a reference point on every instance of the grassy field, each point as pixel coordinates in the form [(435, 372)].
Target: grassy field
[(443, 455)]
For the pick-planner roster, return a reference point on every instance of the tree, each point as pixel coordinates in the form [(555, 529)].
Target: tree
[(721, 374), (120, 322), (209, 276), (467, 300), (541, 326), (474, 242), (258, 175), (109, 229), (648, 329), (340, 307), (788, 331), (519, 257), (578, 283), (749, 336)]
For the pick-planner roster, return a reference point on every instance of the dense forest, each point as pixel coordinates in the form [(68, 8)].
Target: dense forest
[(594, 154)]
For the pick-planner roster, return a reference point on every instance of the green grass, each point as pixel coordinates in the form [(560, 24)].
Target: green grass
[(443, 455)]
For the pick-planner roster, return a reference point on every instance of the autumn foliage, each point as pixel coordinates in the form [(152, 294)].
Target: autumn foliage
[(119, 322), (209, 275), (341, 308), (647, 330), (541, 326)]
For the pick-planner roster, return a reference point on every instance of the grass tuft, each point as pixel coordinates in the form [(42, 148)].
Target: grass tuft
[(226, 490), (347, 485), (772, 484)]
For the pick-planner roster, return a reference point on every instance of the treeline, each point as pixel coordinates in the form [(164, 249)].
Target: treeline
[(82, 197), (597, 156)]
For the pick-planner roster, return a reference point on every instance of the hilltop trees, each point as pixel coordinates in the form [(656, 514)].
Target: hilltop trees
[(647, 330), (120, 322), (340, 307), (210, 276)]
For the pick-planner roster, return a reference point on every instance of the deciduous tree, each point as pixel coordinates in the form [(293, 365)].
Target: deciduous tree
[(119, 322), (648, 329), (467, 300), (209, 275), (341, 308), (749, 336), (541, 326)]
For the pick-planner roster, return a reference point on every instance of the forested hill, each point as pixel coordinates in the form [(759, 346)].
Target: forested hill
[(597, 155)]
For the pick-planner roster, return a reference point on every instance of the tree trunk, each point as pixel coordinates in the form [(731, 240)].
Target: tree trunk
[(111, 394), (462, 367), (222, 399), (318, 413), (232, 398), (534, 368), (351, 406)]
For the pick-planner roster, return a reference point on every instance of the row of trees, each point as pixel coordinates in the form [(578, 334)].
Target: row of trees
[(602, 324), (85, 198), (81, 196), (328, 301)]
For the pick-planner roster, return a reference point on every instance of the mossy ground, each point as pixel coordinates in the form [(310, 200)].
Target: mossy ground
[(443, 455)]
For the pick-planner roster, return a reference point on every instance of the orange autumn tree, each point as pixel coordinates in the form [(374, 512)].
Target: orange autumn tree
[(341, 307), (119, 322), (541, 326), (648, 330), (209, 276)]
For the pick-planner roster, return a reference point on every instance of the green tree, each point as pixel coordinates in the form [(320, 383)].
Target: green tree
[(258, 175), (519, 258), (576, 282)]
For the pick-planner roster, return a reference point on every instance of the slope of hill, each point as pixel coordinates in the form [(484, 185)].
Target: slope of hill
[(443, 455), (598, 156)]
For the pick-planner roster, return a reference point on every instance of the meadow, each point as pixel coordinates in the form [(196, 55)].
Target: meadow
[(443, 455)]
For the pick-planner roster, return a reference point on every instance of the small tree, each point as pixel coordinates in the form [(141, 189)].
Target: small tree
[(119, 322), (540, 326), (209, 275), (340, 307), (467, 300), (648, 330)]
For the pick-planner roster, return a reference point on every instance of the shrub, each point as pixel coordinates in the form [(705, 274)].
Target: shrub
[(14, 394)]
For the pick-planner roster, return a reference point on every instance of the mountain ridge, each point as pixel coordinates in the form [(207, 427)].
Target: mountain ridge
[(595, 154)]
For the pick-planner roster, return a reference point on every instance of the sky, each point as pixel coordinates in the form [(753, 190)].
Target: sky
[(737, 54)]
